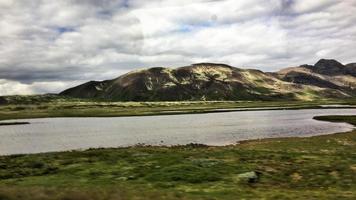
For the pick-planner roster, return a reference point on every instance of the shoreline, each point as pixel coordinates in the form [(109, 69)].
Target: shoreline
[(13, 123), (183, 112)]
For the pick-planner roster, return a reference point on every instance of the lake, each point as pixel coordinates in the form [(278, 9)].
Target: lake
[(61, 134)]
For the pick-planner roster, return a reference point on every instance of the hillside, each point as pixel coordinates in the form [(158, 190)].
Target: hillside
[(324, 74), (210, 81)]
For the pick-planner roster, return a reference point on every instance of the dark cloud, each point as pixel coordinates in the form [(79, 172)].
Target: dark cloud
[(286, 7)]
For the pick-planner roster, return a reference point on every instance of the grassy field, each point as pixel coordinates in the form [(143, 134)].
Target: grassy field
[(322, 167), (21, 107)]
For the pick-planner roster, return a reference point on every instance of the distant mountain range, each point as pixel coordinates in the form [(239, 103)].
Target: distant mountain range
[(211, 81)]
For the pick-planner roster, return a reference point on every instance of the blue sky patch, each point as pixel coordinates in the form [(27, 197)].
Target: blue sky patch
[(64, 29), (192, 27)]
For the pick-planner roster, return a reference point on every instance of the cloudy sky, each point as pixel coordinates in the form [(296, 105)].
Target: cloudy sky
[(49, 45)]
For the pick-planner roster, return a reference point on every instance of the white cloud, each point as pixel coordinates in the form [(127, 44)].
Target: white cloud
[(46, 46), (8, 87), (303, 6)]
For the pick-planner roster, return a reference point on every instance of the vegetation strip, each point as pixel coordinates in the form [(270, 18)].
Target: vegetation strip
[(40, 106)]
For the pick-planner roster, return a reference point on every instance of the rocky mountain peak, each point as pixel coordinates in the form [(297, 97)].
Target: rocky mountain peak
[(328, 63), (328, 66)]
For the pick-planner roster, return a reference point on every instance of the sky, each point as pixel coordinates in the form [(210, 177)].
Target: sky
[(47, 46)]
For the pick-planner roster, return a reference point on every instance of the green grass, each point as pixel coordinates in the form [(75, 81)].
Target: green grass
[(322, 167), (37, 106), (338, 118)]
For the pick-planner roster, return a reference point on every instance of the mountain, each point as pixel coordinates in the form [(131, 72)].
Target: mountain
[(3, 101), (324, 74), (211, 81), (351, 69)]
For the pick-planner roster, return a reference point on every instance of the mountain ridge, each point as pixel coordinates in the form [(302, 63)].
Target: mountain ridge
[(217, 81)]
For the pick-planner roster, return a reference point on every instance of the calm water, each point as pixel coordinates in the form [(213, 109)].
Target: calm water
[(58, 134)]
